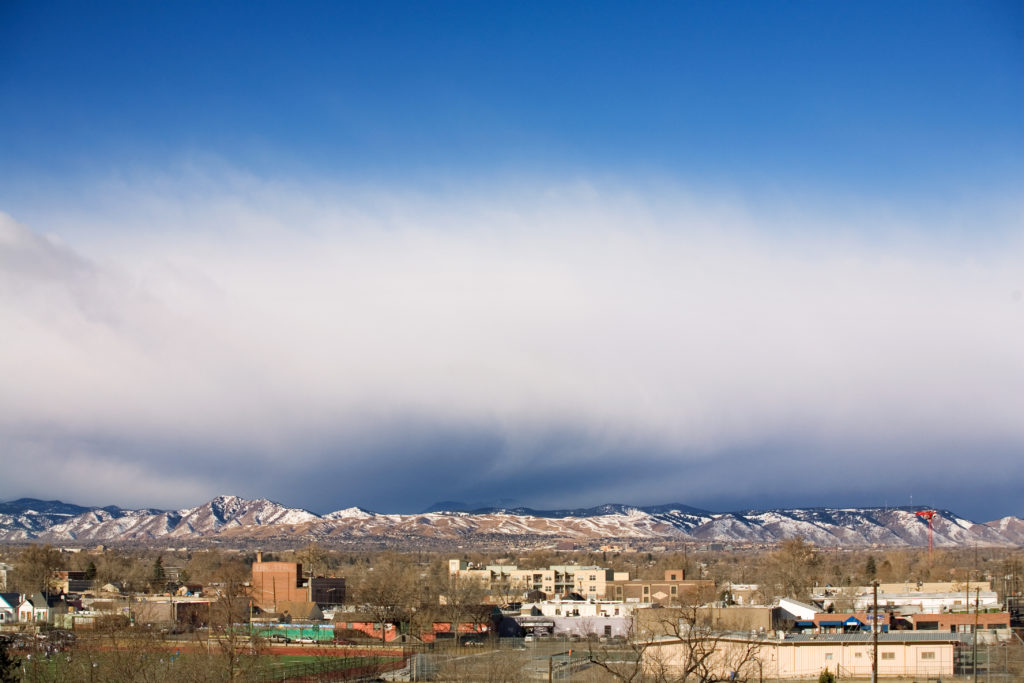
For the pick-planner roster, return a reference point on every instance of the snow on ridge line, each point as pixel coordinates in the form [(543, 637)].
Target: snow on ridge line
[(821, 525), (349, 513)]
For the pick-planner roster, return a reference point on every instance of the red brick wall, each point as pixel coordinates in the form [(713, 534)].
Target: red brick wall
[(276, 581)]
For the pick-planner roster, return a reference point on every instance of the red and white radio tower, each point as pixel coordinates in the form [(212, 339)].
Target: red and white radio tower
[(928, 514)]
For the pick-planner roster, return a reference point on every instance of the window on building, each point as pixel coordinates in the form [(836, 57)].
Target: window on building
[(888, 655), (673, 577), (858, 655), (608, 630), (928, 655), (647, 589), (828, 656), (674, 590)]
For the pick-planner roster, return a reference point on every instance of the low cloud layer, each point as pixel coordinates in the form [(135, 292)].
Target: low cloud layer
[(328, 346)]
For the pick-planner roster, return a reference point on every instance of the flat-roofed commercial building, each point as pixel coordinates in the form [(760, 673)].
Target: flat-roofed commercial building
[(908, 654)]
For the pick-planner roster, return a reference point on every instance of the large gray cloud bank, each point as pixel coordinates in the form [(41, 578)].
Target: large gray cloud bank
[(173, 343)]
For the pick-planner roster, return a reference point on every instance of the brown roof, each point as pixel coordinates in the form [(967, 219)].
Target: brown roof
[(299, 610)]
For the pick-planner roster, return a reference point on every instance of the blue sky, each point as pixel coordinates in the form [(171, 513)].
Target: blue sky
[(477, 242), (871, 97)]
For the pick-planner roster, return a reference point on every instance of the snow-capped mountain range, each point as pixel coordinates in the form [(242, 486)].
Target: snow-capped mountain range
[(237, 520)]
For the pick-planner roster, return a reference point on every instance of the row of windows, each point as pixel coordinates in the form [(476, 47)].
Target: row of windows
[(887, 655)]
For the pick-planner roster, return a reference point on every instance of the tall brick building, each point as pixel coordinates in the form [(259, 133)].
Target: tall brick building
[(277, 582), (274, 582)]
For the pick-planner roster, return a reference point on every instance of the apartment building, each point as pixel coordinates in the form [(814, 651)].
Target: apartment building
[(673, 589), (561, 579), (589, 581)]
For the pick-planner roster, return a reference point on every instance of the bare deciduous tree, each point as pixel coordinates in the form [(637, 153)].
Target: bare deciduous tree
[(676, 645), (387, 593), (33, 570), (460, 598)]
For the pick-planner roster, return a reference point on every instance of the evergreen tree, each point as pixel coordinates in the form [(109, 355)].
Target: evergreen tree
[(184, 577), (870, 570), (8, 664), (159, 578)]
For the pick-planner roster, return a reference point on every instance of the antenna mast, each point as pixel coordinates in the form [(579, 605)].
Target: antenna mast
[(928, 514)]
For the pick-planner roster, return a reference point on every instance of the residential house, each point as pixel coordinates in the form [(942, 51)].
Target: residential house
[(9, 603), (39, 608)]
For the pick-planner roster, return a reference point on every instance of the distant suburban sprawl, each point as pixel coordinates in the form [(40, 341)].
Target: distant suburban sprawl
[(786, 611)]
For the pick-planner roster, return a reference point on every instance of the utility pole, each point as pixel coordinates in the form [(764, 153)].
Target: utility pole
[(874, 636), (977, 592)]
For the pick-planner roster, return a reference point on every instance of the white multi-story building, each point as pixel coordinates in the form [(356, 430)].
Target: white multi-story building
[(930, 602), (581, 608)]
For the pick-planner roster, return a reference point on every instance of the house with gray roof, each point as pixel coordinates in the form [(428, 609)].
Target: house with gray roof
[(9, 607)]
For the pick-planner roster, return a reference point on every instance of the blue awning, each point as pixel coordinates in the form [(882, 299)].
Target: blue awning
[(804, 624), (830, 623), (853, 621)]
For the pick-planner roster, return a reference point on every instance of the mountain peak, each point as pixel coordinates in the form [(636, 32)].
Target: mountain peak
[(237, 519)]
